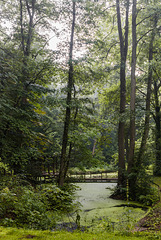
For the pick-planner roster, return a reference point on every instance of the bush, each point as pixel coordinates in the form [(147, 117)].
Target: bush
[(24, 206), (57, 199), (147, 194)]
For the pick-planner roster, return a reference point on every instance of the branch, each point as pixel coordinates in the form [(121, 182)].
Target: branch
[(111, 28), (153, 116), (144, 94), (142, 70), (38, 20), (144, 35), (5, 33), (114, 44), (157, 77), (139, 10), (144, 19), (36, 77), (140, 50), (35, 56), (8, 53), (22, 31), (109, 7), (28, 8)]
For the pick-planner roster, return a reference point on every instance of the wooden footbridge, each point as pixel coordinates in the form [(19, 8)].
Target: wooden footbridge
[(84, 177), (93, 177)]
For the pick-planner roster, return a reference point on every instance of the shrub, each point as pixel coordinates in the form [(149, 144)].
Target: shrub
[(24, 206), (57, 199)]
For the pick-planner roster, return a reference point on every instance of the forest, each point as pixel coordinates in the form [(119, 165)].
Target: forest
[(79, 89)]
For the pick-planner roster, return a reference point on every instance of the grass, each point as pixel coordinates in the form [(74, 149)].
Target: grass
[(15, 234)]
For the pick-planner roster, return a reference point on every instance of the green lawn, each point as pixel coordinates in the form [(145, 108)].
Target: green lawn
[(16, 234)]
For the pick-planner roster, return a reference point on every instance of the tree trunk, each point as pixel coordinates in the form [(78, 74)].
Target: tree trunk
[(63, 158), (148, 98), (27, 40), (157, 168), (121, 128), (132, 100)]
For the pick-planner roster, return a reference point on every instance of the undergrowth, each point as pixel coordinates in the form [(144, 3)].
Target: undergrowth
[(22, 205)]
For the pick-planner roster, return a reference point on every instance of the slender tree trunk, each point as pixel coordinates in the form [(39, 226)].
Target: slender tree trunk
[(21, 24), (121, 128), (31, 12), (71, 145), (63, 158), (157, 168), (132, 103), (27, 40), (94, 147), (148, 98)]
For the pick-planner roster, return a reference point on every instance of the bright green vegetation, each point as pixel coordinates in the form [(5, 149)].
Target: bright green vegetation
[(22, 205), (14, 234), (97, 205), (46, 206)]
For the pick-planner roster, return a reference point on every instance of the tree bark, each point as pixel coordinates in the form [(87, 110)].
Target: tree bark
[(157, 168), (148, 98), (132, 100), (121, 128), (63, 158), (31, 12), (27, 40)]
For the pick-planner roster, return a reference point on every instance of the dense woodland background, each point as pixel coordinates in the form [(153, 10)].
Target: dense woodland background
[(80, 87)]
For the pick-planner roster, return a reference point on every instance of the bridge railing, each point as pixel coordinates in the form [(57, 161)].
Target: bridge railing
[(93, 175)]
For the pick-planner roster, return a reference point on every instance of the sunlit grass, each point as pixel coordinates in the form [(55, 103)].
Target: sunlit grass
[(15, 234)]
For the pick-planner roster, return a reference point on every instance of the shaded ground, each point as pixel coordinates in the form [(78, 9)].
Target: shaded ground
[(152, 221)]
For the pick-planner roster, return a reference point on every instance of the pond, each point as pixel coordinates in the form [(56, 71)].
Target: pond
[(96, 204)]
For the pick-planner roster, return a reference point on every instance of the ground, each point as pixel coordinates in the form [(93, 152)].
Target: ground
[(152, 221)]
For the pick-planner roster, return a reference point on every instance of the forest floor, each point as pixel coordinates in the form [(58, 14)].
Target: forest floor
[(152, 221)]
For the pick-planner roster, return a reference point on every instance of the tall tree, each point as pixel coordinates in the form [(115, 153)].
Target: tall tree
[(123, 56), (63, 159), (148, 94), (157, 119), (133, 98), (28, 71)]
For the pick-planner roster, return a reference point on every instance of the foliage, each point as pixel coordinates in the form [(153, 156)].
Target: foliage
[(23, 206), (56, 199), (33, 89), (146, 191)]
